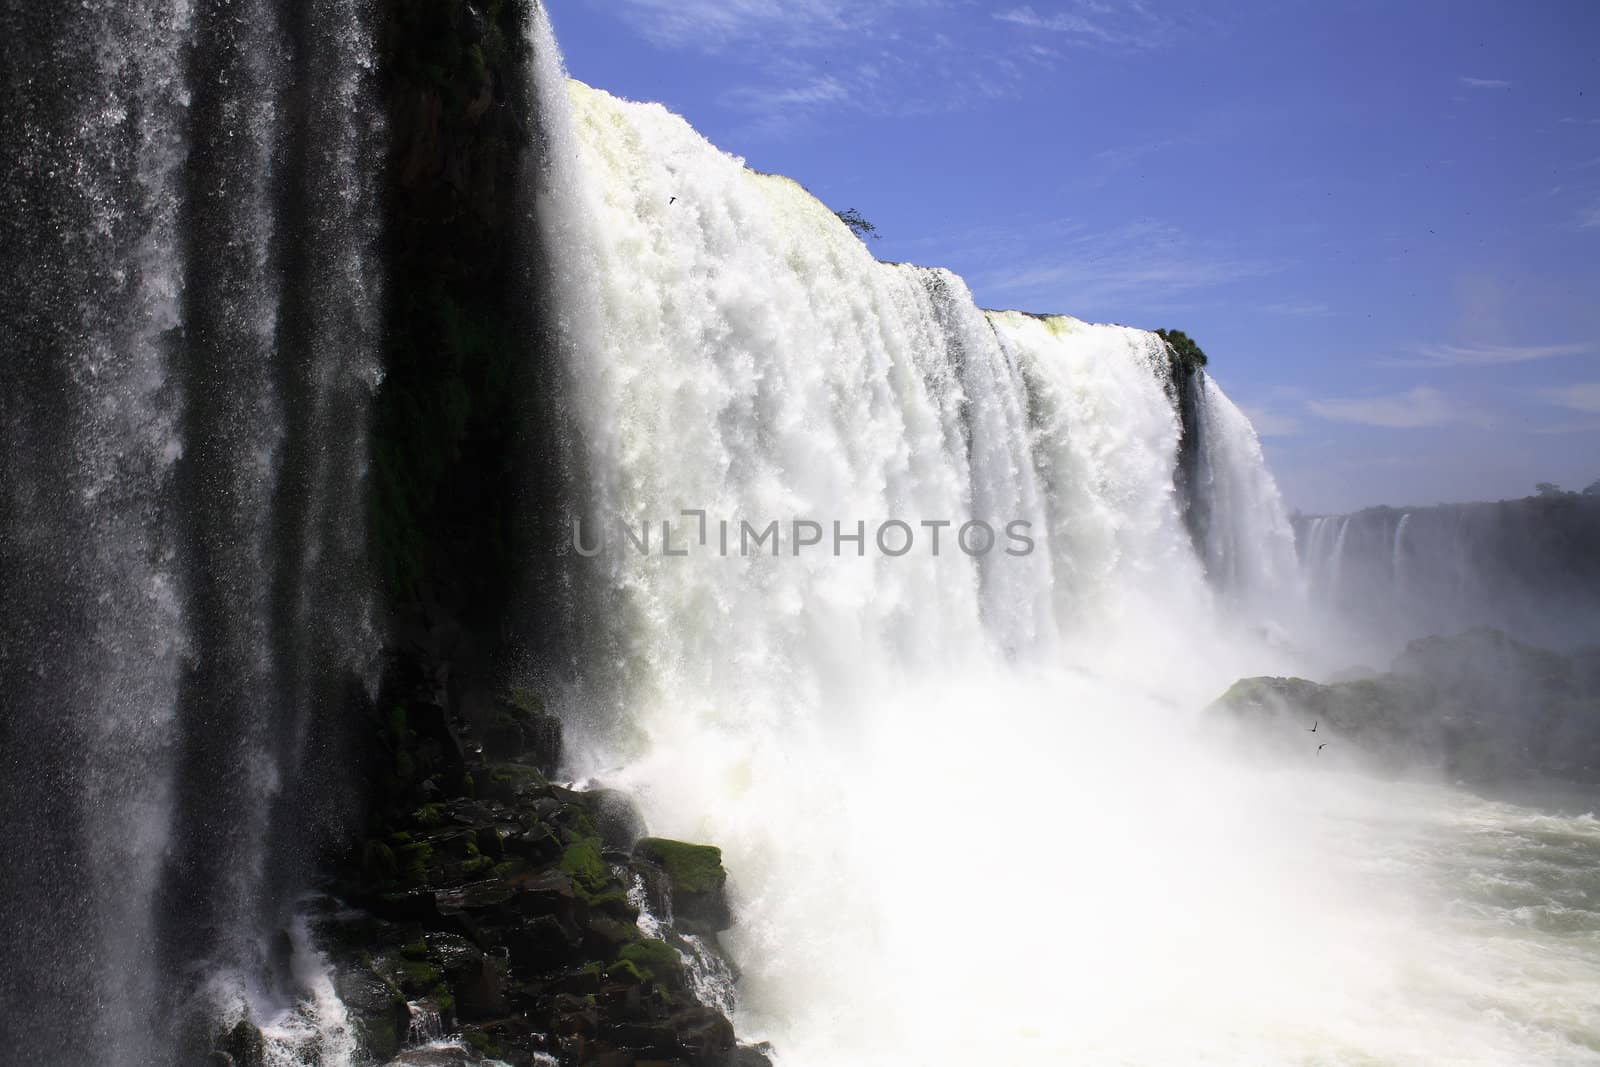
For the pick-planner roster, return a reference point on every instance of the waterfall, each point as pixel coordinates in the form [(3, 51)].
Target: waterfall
[(1248, 543), (190, 324), (1397, 557), (826, 706), (1387, 576)]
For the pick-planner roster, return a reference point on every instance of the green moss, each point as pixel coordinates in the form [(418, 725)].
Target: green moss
[(483, 1043), (692, 868), (651, 956), (477, 865), (613, 900), (628, 971), (429, 816), (378, 862), (513, 866), (583, 862)]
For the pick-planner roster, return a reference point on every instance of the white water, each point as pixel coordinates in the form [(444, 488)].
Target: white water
[(970, 812)]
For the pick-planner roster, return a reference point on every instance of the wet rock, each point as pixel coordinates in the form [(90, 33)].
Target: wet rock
[(696, 881), (244, 1045), (616, 819)]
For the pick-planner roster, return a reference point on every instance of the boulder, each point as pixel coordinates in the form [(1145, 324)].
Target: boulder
[(695, 880)]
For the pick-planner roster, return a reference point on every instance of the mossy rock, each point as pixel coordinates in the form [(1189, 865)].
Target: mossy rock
[(628, 971), (583, 862), (694, 869), (429, 816), (696, 879), (652, 956)]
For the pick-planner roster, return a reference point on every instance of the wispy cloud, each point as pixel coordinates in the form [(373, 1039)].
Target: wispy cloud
[(812, 93), (1573, 120), (1484, 83), (1096, 23), (1085, 271), (1299, 309), (713, 25), (805, 59), (1413, 409), (1486, 355), (1589, 217), (1579, 396)]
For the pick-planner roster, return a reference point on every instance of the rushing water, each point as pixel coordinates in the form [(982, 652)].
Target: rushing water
[(189, 328), (971, 812)]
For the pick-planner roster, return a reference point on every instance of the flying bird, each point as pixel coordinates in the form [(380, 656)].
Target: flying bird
[(1313, 728), (1321, 747), (674, 200)]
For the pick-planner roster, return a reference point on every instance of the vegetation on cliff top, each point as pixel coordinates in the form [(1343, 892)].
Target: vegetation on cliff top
[(1188, 355)]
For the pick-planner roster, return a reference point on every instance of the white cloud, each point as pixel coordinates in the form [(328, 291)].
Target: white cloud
[(1096, 23), (1589, 217), (1579, 396), (1487, 355), (1484, 83), (1413, 409)]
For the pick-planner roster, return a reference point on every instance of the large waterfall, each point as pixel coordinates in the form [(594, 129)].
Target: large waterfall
[(970, 814), (353, 435), (189, 324)]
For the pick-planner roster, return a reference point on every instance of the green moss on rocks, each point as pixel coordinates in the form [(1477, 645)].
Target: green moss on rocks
[(694, 869), (651, 956), (583, 863)]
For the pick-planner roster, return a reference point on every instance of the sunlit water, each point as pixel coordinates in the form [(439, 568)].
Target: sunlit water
[(971, 808)]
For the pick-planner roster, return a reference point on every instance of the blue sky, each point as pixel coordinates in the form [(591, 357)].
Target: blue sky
[(1380, 219)]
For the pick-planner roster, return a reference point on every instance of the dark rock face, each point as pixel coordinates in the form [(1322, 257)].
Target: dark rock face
[(504, 908), (482, 900), (1481, 706)]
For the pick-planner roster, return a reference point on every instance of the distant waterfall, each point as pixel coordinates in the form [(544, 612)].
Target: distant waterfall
[(1525, 566), (190, 320)]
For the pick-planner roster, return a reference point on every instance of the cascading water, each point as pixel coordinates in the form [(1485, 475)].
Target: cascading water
[(970, 814), (1386, 576), (190, 328)]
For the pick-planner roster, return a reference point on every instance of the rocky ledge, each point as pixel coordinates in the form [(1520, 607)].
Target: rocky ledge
[(1480, 707), (508, 918)]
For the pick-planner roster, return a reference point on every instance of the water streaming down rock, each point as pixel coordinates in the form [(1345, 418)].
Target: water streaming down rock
[(190, 327)]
